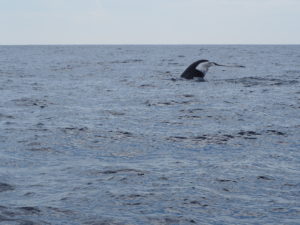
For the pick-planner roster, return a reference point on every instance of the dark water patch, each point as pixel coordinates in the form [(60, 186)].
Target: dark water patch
[(195, 202), (39, 129), (167, 103), (40, 124), (191, 110), (69, 66), (264, 178), (163, 73), (280, 210), (275, 132), (243, 214), (291, 185), (228, 102), (17, 215), (263, 81), (167, 60), (10, 213), (164, 178), (191, 117), (29, 194), (219, 138), (72, 130), (10, 221), (174, 79), (228, 136), (248, 134), (62, 211), (62, 68), (277, 64), (115, 135), (132, 203), (25, 102), (20, 215), (147, 85), (114, 113), (284, 82), (4, 219), (105, 221), (100, 63), (3, 116), (29, 209), (225, 181), (124, 134), (177, 138), (297, 72), (28, 222), (133, 196), (172, 122), (171, 220), (203, 139), (36, 87), (6, 187), (126, 61), (42, 149), (254, 135), (188, 96), (8, 123), (125, 170)]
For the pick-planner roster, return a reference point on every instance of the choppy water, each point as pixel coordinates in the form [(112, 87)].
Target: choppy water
[(104, 135)]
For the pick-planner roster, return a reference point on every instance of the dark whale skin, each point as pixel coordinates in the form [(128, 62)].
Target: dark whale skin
[(192, 72)]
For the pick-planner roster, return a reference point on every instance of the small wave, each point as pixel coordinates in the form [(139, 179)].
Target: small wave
[(126, 61), (223, 138), (6, 187), (256, 81), (42, 103)]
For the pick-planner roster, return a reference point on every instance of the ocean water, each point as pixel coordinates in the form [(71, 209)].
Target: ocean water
[(106, 135)]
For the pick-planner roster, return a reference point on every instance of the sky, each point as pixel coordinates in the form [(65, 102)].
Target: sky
[(149, 22)]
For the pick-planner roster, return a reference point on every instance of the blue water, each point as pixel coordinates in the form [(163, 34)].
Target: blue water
[(105, 135)]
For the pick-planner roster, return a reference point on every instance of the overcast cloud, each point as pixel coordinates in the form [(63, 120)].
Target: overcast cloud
[(150, 22)]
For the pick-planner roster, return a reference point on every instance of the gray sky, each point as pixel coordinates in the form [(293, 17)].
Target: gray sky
[(150, 21)]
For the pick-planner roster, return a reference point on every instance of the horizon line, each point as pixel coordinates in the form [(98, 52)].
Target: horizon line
[(143, 44)]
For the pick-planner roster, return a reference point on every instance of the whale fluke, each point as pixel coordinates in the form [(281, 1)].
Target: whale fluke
[(199, 69), (192, 72)]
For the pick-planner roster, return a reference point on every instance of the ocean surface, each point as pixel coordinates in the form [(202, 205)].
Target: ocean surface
[(109, 135)]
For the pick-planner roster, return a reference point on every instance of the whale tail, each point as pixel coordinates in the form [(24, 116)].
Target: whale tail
[(199, 68), (238, 66)]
